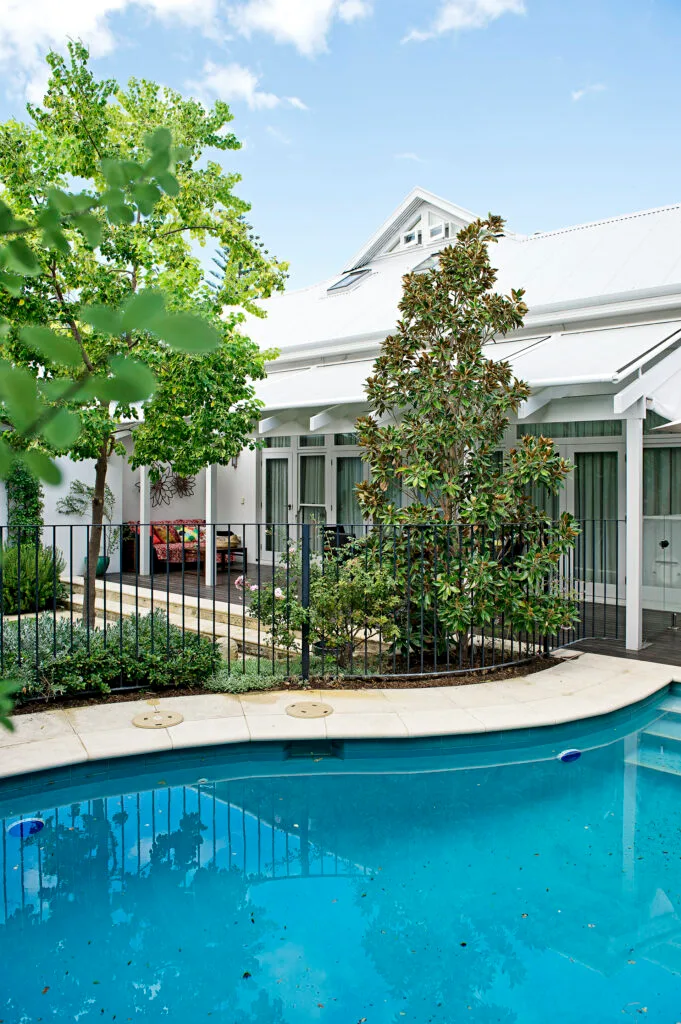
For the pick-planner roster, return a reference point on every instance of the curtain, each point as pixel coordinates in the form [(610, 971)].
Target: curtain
[(662, 481), (348, 475), (578, 428), (596, 506), (276, 503)]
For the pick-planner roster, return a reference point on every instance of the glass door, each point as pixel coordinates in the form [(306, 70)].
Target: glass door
[(597, 511), (661, 589), (277, 489), (349, 473), (312, 494)]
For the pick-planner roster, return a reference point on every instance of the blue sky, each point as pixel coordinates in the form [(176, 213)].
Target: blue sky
[(549, 112)]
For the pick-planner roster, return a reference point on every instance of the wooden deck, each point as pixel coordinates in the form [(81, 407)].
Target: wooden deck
[(191, 584)]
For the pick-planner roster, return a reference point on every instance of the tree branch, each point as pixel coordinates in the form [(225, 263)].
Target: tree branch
[(75, 331), (186, 227)]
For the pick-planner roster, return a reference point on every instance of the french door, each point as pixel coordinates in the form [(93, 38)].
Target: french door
[(277, 490), (597, 489), (661, 588)]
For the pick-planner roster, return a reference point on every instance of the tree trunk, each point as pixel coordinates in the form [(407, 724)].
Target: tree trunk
[(101, 467)]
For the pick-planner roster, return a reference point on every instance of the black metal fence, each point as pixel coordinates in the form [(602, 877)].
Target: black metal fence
[(172, 604)]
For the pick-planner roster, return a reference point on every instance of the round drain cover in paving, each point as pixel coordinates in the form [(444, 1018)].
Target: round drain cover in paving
[(309, 709), (157, 719)]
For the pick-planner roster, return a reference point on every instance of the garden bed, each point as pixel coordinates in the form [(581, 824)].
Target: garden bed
[(536, 664)]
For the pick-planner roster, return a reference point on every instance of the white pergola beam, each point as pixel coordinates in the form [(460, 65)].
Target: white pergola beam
[(211, 520), (634, 529), (647, 382), (145, 519)]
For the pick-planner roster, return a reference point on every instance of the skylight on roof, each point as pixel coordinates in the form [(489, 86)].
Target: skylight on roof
[(348, 280)]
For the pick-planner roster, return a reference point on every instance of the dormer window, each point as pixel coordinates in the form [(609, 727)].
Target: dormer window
[(439, 231), (348, 280), (412, 238)]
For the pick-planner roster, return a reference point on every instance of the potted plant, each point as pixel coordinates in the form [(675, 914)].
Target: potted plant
[(78, 502)]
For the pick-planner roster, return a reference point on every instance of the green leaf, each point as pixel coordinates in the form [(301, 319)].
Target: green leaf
[(143, 310), (55, 390), (4, 327), (57, 348), (56, 240), (159, 140), (113, 172), (61, 201), (168, 183), (10, 282), (187, 333), (62, 430), (132, 381), (120, 214), (157, 163), (90, 229), (104, 319), (6, 217), (146, 196), (19, 257), (20, 394), (42, 466)]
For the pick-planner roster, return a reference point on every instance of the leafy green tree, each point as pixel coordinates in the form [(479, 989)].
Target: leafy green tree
[(441, 408), (124, 305)]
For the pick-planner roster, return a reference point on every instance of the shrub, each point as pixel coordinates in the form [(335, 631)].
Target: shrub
[(24, 589), (24, 501), (353, 601), (52, 657)]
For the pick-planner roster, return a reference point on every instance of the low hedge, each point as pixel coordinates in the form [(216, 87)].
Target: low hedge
[(30, 578), (52, 657)]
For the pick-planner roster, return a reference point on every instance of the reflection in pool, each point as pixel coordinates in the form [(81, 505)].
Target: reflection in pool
[(472, 880)]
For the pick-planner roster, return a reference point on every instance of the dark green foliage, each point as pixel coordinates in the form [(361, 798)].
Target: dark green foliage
[(24, 499), (34, 572), (142, 650)]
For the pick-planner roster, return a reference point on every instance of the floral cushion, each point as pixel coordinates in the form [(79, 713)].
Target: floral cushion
[(190, 534), (165, 533)]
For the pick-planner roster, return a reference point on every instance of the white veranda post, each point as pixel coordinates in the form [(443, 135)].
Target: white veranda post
[(145, 519), (211, 520), (634, 534)]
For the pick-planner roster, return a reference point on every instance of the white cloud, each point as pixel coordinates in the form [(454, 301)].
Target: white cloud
[(458, 15), (410, 156), (297, 103), (29, 29), (234, 82), (579, 94), (279, 136), (304, 23)]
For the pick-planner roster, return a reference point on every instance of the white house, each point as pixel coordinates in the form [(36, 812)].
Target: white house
[(601, 349)]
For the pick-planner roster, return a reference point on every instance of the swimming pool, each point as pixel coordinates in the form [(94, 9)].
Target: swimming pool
[(472, 879)]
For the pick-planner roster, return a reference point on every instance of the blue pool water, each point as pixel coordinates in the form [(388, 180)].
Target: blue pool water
[(447, 881)]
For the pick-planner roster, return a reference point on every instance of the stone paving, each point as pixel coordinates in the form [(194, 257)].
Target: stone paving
[(576, 687)]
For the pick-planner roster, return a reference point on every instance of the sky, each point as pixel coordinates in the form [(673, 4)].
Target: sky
[(548, 112)]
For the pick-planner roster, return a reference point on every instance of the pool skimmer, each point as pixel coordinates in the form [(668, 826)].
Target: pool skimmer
[(157, 719), (309, 709)]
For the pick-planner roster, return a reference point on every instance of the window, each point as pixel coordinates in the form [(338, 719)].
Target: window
[(581, 428), (346, 282), (277, 442), (349, 438), (661, 481), (652, 420), (311, 441), (431, 263)]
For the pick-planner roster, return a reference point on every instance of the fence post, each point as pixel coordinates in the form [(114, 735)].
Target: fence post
[(305, 600)]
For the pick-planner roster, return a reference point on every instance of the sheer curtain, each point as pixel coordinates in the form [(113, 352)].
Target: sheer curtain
[(596, 492), (348, 475), (662, 481), (276, 503)]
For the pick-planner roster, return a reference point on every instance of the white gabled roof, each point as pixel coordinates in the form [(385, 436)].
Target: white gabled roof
[(597, 264), (401, 217)]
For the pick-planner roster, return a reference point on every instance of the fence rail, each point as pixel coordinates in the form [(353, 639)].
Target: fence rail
[(171, 603)]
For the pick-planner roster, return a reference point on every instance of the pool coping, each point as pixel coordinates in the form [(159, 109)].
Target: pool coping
[(578, 687)]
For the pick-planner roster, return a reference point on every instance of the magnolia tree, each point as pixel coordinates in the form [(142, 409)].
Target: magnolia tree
[(112, 322), (440, 408)]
